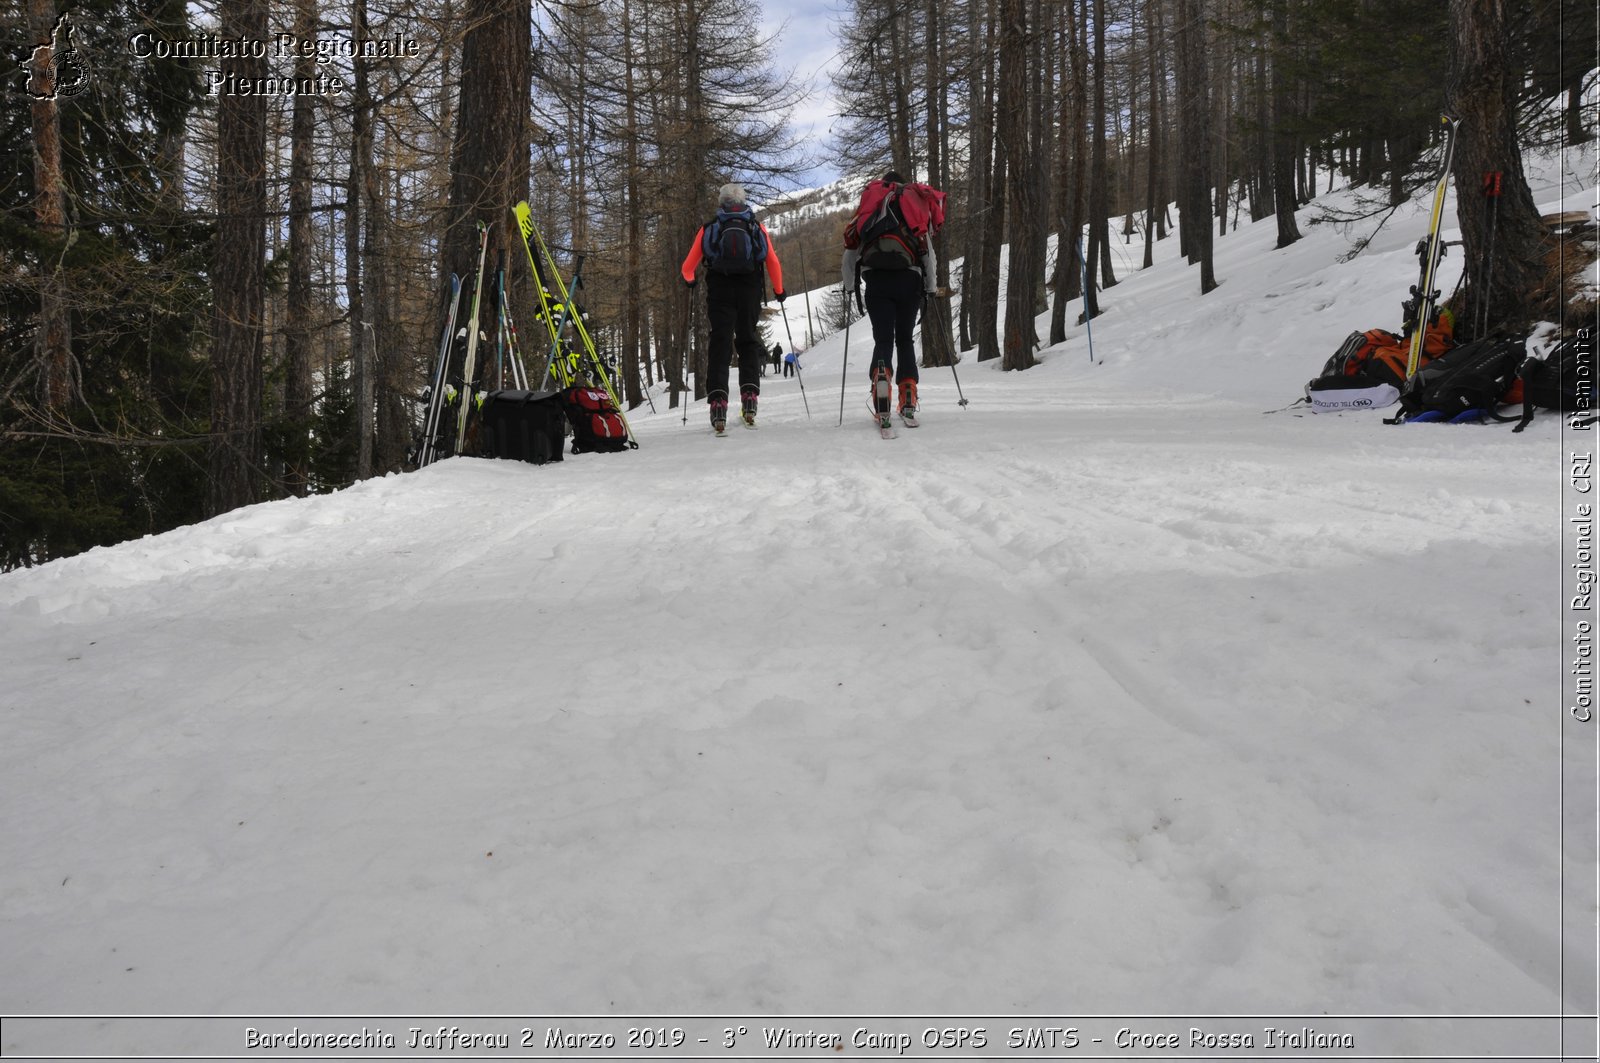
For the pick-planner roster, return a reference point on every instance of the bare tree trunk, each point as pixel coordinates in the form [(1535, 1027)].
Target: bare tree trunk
[(900, 149), (300, 308), (1283, 142), (1099, 182), (489, 159), (58, 385), (360, 162), (1220, 87), (695, 181), (1068, 121), (1081, 155), (1019, 337), (1482, 95), (1153, 204), (1041, 100), (238, 285), (985, 289), (389, 363), (936, 346), (981, 130), (1195, 108), (1166, 180), (633, 238)]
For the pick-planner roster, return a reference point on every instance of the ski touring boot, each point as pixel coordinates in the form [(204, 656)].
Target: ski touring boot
[(908, 402), (719, 413), (747, 406), (880, 402)]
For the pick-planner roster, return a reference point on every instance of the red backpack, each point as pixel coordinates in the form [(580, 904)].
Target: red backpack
[(892, 222)]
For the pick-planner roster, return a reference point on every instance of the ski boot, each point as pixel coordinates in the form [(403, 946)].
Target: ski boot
[(908, 402), (719, 414), (880, 394), (747, 406)]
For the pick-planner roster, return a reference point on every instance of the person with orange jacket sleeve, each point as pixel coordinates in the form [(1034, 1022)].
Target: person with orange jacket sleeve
[(738, 257)]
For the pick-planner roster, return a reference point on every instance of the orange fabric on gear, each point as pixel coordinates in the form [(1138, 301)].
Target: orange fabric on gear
[(691, 261)]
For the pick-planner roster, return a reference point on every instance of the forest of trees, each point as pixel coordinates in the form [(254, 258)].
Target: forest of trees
[(212, 296)]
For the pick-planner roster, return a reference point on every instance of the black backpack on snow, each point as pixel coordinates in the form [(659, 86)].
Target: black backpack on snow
[(1473, 376), (596, 423), (1563, 380), (526, 426), (734, 243)]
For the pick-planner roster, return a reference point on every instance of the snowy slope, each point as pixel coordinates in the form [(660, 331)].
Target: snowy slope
[(796, 208), (1107, 693)]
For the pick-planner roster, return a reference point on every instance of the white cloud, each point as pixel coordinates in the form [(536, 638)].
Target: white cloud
[(807, 43)]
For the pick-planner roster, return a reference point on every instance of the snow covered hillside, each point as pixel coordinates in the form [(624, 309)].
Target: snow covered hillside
[(795, 209), (1109, 693)]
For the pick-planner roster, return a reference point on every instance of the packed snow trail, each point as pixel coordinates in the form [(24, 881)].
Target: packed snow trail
[(1106, 693), (1080, 711)]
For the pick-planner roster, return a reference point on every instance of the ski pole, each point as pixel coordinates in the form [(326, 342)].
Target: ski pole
[(1088, 329), (950, 336), (648, 397), (846, 368), (797, 368), (688, 349), (803, 398), (560, 327)]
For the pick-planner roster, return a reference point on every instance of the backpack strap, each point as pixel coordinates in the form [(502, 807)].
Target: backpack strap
[(1301, 401)]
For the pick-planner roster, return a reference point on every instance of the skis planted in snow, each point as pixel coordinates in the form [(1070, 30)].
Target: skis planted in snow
[(430, 423), (469, 380), (1425, 296)]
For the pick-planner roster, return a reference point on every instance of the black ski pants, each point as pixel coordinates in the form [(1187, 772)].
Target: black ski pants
[(894, 297), (733, 307)]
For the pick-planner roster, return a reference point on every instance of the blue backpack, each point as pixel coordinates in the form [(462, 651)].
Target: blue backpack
[(734, 243)]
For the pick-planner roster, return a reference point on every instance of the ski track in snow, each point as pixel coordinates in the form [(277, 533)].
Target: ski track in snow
[(1098, 694)]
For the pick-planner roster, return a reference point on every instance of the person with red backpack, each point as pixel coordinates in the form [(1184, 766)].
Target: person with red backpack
[(738, 256), (887, 246)]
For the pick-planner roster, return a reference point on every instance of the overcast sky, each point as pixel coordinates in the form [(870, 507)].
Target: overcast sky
[(807, 44)]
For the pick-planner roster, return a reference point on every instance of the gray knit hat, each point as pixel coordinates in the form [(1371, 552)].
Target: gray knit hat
[(732, 195)]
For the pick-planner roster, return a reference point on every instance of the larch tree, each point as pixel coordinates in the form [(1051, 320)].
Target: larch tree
[(1194, 182), (238, 277), (1023, 165), (58, 387), (1520, 287)]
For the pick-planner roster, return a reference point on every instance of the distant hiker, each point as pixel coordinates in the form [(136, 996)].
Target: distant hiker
[(887, 245), (777, 354), (738, 256), (791, 363)]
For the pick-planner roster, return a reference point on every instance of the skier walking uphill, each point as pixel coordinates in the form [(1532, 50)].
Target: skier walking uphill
[(738, 256), (897, 266)]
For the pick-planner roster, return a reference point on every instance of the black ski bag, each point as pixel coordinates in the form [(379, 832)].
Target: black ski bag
[(523, 426)]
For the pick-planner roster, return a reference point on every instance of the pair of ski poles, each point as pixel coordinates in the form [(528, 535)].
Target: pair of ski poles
[(693, 324), (844, 373)]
